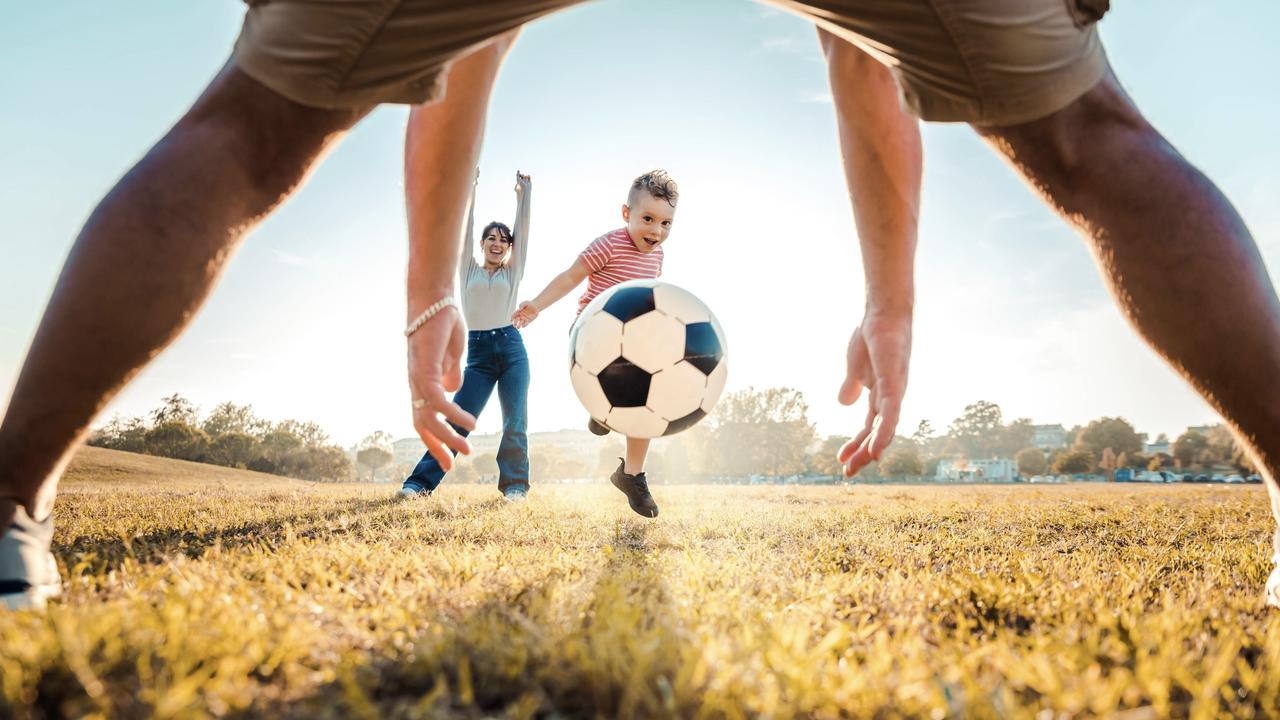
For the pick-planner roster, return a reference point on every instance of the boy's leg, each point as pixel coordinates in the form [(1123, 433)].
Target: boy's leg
[(631, 480), (144, 263), (1175, 253), (477, 385), (513, 393), (637, 450)]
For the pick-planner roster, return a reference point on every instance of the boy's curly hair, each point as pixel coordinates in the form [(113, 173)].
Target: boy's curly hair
[(658, 184)]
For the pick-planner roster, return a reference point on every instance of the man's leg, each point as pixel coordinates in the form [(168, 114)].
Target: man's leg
[(1176, 255), (145, 261)]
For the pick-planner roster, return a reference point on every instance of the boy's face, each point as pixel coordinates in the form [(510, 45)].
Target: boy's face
[(648, 221)]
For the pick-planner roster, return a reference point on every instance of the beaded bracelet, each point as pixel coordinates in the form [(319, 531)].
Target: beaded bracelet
[(429, 313)]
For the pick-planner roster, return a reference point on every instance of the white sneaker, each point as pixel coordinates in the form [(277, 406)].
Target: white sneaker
[(405, 492), (1272, 593), (28, 572)]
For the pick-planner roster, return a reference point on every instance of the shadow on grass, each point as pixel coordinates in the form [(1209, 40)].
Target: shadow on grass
[(98, 555), (609, 649)]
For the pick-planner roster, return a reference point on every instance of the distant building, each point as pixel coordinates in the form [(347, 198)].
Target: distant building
[(995, 470), (1154, 448), (407, 451), (1201, 429), (1049, 437)]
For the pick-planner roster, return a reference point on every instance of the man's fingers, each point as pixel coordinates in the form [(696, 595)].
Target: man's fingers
[(850, 390), (437, 450), (886, 424), (848, 448)]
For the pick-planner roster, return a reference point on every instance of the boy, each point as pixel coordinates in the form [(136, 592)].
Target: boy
[(632, 252)]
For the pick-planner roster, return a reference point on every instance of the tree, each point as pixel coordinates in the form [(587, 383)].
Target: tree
[(231, 418), (1189, 448), (923, 434), (976, 433), (313, 436), (607, 458), (1013, 437), (328, 463), (824, 461), (764, 431), (1108, 463), (1031, 461), (1075, 461), (127, 434), (373, 457), (233, 449), (176, 439), (1108, 432), (486, 465), (902, 461), (174, 408)]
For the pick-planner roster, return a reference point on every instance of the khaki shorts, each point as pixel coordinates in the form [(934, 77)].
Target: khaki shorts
[(987, 62)]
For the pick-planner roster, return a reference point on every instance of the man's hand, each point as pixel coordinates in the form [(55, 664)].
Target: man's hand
[(524, 315), (435, 369), (879, 354), (522, 182)]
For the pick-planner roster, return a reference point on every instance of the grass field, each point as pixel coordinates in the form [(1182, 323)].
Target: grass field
[(195, 591)]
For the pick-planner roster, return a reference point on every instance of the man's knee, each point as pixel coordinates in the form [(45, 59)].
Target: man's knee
[(1066, 141), (274, 138)]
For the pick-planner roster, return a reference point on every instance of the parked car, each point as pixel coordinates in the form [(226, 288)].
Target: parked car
[(1253, 479), (1234, 479), (1202, 478)]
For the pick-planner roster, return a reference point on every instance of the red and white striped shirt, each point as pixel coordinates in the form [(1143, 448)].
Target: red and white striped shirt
[(613, 258)]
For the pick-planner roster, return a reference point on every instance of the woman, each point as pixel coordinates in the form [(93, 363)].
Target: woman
[(495, 350)]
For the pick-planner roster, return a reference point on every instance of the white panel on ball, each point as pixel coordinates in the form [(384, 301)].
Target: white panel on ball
[(636, 422), (677, 391), (599, 342), (680, 304), (589, 392), (653, 341)]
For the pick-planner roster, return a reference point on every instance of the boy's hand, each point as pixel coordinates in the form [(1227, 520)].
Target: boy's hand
[(435, 368), (522, 182), (524, 315), (879, 354)]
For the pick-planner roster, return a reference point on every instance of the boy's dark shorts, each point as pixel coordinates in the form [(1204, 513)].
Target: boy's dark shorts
[(987, 62)]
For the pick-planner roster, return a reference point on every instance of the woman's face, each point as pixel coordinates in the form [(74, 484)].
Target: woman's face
[(495, 246)]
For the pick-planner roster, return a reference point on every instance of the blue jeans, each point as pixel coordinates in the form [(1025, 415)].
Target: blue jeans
[(494, 357)]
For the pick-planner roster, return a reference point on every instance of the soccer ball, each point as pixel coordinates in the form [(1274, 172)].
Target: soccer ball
[(647, 359)]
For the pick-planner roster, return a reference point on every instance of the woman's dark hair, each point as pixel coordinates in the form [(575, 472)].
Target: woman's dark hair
[(503, 232)]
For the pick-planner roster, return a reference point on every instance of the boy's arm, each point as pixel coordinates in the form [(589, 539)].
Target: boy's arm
[(559, 286), (468, 258), (881, 149), (520, 228)]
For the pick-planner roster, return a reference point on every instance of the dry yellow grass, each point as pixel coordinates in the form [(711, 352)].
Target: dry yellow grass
[(196, 591)]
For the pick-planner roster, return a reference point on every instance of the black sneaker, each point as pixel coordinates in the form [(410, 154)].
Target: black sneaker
[(596, 428), (28, 572), (636, 488)]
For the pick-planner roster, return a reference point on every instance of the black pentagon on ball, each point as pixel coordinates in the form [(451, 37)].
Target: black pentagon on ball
[(685, 422), (630, 303), (701, 346), (624, 384)]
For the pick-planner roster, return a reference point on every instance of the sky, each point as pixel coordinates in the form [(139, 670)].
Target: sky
[(730, 97)]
